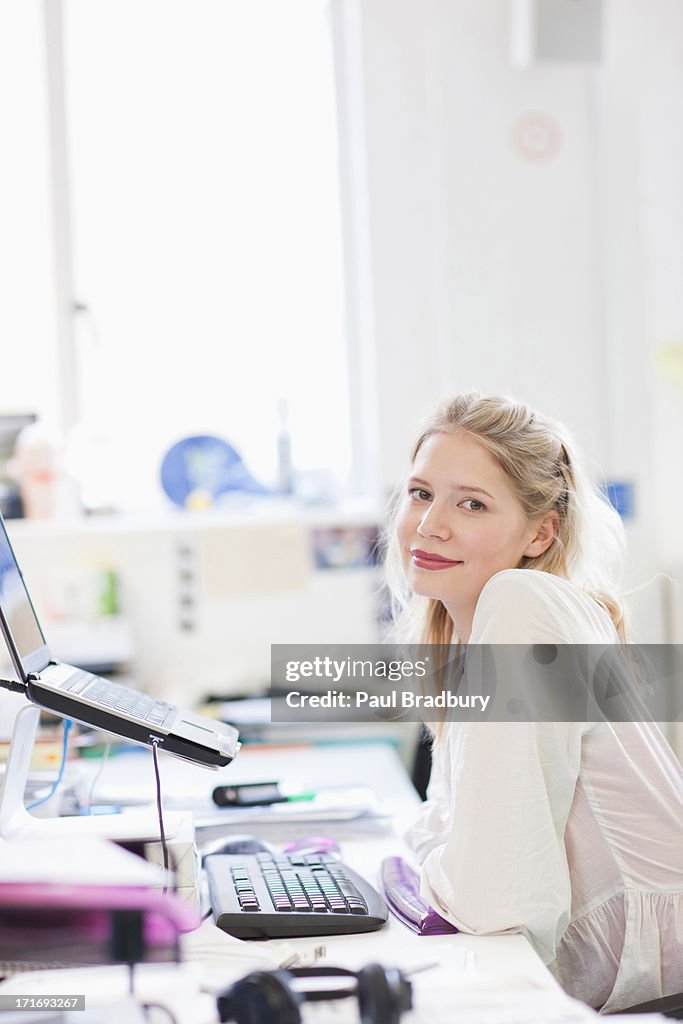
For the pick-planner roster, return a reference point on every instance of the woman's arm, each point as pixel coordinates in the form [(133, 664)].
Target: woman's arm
[(430, 829), (502, 865)]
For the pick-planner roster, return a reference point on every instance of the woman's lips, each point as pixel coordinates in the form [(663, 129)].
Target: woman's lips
[(425, 560)]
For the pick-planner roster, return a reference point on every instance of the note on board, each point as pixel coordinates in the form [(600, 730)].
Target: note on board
[(254, 560)]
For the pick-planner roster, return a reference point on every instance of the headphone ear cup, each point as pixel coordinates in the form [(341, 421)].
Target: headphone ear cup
[(262, 997), (384, 993)]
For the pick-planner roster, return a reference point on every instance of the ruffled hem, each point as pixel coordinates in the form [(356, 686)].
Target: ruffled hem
[(626, 951)]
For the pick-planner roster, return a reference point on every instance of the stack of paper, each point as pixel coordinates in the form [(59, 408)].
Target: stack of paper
[(354, 809)]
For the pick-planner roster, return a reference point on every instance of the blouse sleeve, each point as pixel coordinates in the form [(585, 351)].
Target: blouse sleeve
[(502, 866), (430, 829)]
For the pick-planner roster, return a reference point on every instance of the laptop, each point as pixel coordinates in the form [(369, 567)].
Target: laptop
[(92, 700)]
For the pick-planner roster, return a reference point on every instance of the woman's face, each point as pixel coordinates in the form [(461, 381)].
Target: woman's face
[(459, 524)]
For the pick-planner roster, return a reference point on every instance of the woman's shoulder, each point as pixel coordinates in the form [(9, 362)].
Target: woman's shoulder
[(530, 606), (533, 581)]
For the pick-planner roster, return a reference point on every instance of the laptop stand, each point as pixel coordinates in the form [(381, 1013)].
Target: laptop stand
[(16, 821)]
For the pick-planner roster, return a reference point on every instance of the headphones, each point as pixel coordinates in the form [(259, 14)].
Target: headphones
[(271, 997)]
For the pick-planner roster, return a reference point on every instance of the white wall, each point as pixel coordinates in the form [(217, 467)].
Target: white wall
[(486, 266), (555, 280), (652, 50)]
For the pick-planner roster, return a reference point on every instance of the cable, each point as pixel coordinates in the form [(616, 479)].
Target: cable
[(98, 774), (13, 685), (158, 1006), (154, 740), (67, 729)]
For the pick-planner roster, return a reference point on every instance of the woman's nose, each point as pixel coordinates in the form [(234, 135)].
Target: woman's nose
[(434, 524)]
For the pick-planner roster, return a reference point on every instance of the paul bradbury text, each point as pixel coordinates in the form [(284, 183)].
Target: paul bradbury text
[(392, 699)]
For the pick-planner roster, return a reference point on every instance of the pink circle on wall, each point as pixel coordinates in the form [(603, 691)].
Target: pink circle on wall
[(536, 137)]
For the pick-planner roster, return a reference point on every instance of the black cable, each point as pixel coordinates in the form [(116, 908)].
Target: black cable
[(154, 740), (158, 1006), (14, 686)]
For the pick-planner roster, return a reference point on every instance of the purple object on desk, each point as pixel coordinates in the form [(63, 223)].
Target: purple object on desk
[(311, 845), (85, 910), (401, 887)]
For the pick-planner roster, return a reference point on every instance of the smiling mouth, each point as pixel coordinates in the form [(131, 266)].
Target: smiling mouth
[(425, 560)]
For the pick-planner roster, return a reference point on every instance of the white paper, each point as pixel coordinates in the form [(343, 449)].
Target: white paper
[(82, 860)]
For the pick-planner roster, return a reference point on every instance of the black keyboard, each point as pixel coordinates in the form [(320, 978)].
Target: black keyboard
[(283, 895)]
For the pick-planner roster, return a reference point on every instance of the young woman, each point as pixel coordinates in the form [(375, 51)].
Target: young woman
[(571, 833)]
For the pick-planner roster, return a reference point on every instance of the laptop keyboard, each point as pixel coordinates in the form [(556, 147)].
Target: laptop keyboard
[(119, 698)]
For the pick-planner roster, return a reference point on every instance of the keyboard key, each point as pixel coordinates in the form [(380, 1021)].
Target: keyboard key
[(80, 684)]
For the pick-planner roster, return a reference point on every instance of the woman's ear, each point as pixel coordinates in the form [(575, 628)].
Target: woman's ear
[(545, 533)]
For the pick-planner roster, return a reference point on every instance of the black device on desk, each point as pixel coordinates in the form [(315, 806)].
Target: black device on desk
[(280, 895), (73, 693), (275, 997)]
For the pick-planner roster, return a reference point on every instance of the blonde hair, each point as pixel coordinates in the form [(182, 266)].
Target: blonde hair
[(543, 467)]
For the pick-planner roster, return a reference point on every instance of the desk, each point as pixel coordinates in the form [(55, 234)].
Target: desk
[(468, 967), (183, 784)]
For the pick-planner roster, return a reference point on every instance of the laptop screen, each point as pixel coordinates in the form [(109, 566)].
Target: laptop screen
[(18, 616)]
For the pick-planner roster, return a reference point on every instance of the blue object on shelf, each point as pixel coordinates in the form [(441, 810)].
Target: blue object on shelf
[(205, 465), (621, 494)]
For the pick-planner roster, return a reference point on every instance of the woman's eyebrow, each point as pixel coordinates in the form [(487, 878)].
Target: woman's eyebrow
[(470, 487), (454, 487)]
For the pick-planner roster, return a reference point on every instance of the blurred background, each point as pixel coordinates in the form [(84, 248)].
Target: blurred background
[(255, 241)]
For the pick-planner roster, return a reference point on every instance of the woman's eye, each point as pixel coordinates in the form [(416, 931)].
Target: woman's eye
[(419, 494), (474, 505)]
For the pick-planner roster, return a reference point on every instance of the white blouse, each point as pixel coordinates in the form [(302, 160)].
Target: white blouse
[(571, 833)]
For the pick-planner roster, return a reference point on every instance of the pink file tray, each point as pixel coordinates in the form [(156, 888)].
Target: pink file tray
[(44, 919)]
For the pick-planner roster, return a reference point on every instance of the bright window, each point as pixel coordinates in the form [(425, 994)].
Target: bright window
[(203, 151), (27, 297)]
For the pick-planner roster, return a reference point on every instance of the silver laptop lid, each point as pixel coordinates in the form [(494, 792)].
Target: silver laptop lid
[(18, 620)]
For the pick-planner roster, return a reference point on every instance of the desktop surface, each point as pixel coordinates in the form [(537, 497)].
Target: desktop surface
[(499, 977)]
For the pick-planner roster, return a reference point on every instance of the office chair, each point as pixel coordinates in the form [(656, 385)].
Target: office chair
[(422, 764)]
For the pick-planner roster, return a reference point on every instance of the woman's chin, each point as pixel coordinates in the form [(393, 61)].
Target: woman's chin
[(425, 587)]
